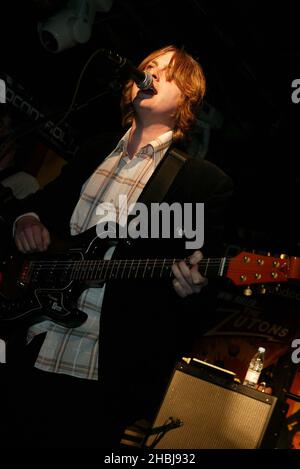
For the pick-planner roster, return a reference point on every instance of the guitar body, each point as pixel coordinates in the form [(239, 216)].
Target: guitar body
[(47, 292)]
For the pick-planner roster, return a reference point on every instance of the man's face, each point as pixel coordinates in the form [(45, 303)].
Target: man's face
[(162, 101)]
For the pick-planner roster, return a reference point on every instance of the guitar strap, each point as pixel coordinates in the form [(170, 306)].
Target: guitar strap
[(162, 179)]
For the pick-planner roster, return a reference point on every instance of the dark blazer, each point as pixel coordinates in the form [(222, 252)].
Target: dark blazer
[(144, 326)]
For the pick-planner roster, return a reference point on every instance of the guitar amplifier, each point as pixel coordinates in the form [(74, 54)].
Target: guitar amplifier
[(205, 408)]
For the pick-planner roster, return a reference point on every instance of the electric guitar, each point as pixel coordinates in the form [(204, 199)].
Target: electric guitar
[(40, 286)]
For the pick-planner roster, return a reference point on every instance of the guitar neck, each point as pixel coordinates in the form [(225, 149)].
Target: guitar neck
[(140, 268), (244, 269)]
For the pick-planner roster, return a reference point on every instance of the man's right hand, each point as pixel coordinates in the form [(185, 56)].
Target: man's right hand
[(31, 235)]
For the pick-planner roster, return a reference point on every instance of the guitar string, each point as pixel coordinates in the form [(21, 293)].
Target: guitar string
[(92, 262), (126, 265), (95, 262), (110, 264), (158, 262)]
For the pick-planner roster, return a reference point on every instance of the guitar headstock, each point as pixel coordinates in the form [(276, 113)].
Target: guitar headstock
[(249, 268)]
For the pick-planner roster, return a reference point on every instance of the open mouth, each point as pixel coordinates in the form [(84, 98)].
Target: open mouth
[(150, 91)]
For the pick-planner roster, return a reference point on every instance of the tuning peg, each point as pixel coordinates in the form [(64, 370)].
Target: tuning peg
[(247, 291), (283, 256), (263, 290)]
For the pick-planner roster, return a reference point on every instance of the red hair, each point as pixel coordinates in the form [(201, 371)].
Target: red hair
[(188, 76)]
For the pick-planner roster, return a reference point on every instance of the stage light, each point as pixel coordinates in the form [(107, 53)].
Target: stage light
[(72, 25)]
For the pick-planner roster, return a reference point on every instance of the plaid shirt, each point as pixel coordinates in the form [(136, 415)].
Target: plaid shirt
[(75, 351)]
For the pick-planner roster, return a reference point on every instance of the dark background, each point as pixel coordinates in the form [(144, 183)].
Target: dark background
[(250, 54)]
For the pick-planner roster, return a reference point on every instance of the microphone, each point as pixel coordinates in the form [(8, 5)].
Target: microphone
[(143, 80)]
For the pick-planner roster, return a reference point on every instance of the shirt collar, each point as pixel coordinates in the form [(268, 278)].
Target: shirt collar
[(154, 149)]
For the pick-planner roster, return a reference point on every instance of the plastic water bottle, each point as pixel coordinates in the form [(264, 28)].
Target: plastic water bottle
[(254, 369)]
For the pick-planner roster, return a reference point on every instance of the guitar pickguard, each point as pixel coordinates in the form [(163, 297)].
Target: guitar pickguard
[(60, 307)]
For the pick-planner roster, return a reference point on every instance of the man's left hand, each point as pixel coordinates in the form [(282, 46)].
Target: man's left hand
[(188, 279)]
